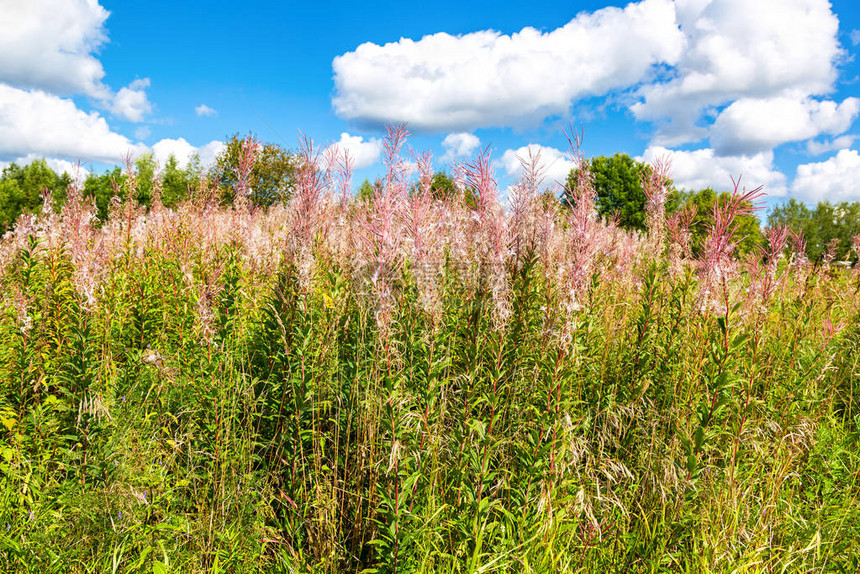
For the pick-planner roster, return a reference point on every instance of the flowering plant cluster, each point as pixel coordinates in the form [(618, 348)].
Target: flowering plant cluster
[(420, 383)]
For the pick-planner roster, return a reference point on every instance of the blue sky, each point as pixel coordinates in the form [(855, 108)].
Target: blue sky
[(767, 89)]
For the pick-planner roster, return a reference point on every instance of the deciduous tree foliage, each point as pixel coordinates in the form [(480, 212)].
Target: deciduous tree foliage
[(272, 177), (747, 234), (617, 185), (820, 226), (175, 183), (619, 195), (21, 187), (443, 186), (367, 190)]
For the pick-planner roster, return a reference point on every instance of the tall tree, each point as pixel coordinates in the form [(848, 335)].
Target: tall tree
[(617, 187), (799, 218), (272, 177), (747, 233), (101, 189), (21, 188), (820, 226), (367, 190), (176, 183), (443, 186), (836, 224)]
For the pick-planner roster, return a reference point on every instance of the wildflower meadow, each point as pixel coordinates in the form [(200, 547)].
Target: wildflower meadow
[(413, 382)]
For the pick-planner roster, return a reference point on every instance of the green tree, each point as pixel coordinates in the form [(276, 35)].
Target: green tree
[(367, 190), (821, 225), (21, 188), (839, 222), (101, 189), (145, 170), (272, 177), (443, 186), (617, 187), (177, 182), (747, 233), (798, 218)]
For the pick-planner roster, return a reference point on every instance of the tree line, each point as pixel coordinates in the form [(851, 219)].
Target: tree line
[(23, 187), (828, 227)]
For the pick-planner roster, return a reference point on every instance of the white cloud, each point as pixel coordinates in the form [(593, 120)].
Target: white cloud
[(204, 110), (183, 151), (363, 153), (142, 133), (483, 79), (750, 75), (49, 45), (48, 51), (754, 125), (178, 148), (739, 49), (459, 145), (555, 165), (60, 166), (210, 151), (131, 103), (74, 169), (820, 147), (855, 37), (37, 123), (702, 168), (833, 180)]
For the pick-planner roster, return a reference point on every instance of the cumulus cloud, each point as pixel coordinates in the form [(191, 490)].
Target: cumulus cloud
[(554, 164), (819, 147), (833, 180), (42, 124), (60, 166), (131, 103), (204, 110), (363, 153), (47, 53), (506, 80), (753, 125), (49, 45), (210, 151), (184, 151), (459, 145), (749, 76), (855, 37), (736, 49), (698, 169), (74, 169)]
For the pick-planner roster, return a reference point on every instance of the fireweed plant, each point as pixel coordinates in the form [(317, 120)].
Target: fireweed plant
[(408, 383)]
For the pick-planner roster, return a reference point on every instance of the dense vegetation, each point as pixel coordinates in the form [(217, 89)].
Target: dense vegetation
[(270, 180), (828, 228), (420, 381), (616, 180)]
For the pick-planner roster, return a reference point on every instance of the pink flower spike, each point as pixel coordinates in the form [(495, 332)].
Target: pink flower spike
[(829, 330), (479, 175), (247, 160)]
